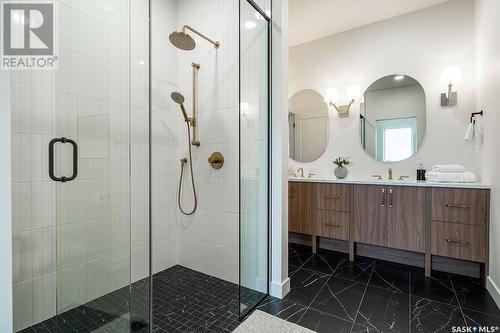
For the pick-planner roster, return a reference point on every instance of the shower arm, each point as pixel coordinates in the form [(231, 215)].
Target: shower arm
[(187, 27), (193, 121)]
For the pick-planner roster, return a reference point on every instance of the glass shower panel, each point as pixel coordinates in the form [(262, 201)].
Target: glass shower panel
[(101, 139), (254, 156)]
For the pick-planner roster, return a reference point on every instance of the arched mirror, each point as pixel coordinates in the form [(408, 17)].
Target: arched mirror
[(308, 125), (393, 118)]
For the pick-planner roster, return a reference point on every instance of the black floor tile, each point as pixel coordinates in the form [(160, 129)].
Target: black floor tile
[(473, 295), (437, 288), (433, 316), (384, 310), (283, 309), (340, 297), (324, 323), (391, 276), (358, 270), (305, 285), (474, 318), (325, 261)]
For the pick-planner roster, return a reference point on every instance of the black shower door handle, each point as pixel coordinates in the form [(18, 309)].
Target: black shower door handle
[(51, 160)]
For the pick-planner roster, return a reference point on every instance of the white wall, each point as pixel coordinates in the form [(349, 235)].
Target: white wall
[(488, 99), (418, 44), (280, 283), (5, 207)]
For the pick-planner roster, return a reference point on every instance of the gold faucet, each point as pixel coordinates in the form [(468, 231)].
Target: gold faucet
[(390, 173)]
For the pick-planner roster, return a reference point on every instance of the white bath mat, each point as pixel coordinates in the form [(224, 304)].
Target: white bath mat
[(261, 322)]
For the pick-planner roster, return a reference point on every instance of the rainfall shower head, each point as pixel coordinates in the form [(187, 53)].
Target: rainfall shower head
[(182, 40), (179, 99)]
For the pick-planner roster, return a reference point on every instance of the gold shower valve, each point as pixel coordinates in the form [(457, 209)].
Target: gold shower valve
[(216, 160)]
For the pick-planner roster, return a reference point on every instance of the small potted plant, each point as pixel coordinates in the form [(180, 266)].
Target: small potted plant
[(341, 170)]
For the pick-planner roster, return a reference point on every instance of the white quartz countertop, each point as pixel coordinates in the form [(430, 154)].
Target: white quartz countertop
[(405, 182)]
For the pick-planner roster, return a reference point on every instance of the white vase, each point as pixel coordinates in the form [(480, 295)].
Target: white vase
[(340, 172)]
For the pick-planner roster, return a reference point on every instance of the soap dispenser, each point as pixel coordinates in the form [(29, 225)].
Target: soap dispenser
[(420, 172)]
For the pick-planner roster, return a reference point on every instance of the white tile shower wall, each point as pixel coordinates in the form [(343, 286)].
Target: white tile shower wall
[(164, 135), (208, 240), (410, 44), (88, 97)]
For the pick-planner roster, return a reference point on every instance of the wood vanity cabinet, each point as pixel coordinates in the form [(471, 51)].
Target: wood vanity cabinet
[(406, 218), (370, 214), (300, 207), (390, 216), (459, 223), (440, 221)]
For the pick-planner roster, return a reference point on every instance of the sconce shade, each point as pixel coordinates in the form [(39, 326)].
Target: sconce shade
[(331, 95), (451, 75), (353, 92)]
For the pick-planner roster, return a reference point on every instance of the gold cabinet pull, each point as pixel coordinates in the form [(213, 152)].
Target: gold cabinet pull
[(459, 242), (383, 198), (332, 225), (391, 198), (457, 206), (335, 196)]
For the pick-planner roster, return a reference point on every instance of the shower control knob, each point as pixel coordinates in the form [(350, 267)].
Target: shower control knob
[(216, 160)]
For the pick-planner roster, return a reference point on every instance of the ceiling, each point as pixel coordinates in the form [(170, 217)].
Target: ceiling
[(313, 19)]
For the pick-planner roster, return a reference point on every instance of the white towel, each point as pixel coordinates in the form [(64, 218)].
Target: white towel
[(448, 168), (451, 177), (469, 135)]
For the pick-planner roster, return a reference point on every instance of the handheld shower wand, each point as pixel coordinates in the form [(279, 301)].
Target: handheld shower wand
[(179, 99)]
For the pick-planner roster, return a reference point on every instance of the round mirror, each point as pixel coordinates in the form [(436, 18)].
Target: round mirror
[(393, 118), (308, 124)]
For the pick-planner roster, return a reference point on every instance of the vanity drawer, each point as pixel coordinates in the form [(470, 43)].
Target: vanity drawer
[(459, 241), (332, 224), (333, 197), (459, 205)]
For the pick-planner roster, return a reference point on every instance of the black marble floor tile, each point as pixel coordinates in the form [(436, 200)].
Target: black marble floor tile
[(283, 309), (473, 295), (358, 270), (384, 310), (391, 276), (305, 285), (340, 298), (474, 318), (324, 323), (325, 261), (433, 316), (437, 288)]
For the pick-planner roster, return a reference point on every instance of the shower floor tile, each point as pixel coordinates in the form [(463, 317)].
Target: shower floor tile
[(184, 300)]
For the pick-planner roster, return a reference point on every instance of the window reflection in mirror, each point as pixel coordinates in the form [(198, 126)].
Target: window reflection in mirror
[(308, 126), (393, 118)]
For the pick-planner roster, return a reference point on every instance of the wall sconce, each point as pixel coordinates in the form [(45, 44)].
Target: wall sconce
[(332, 97), (451, 75)]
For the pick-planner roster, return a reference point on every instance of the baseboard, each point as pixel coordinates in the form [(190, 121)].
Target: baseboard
[(493, 290), (279, 290)]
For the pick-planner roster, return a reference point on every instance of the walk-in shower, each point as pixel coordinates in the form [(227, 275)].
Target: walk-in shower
[(108, 250)]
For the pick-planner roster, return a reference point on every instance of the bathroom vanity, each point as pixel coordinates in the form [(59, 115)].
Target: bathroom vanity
[(432, 225)]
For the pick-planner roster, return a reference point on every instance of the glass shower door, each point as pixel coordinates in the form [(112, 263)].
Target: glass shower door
[(98, 162), (254, 155)]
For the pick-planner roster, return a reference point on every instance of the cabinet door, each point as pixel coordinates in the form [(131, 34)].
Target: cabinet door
[(300, 203), (405, 218), (370, 209)]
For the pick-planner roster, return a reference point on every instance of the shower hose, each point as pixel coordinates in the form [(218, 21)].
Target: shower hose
[(183, 162)]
